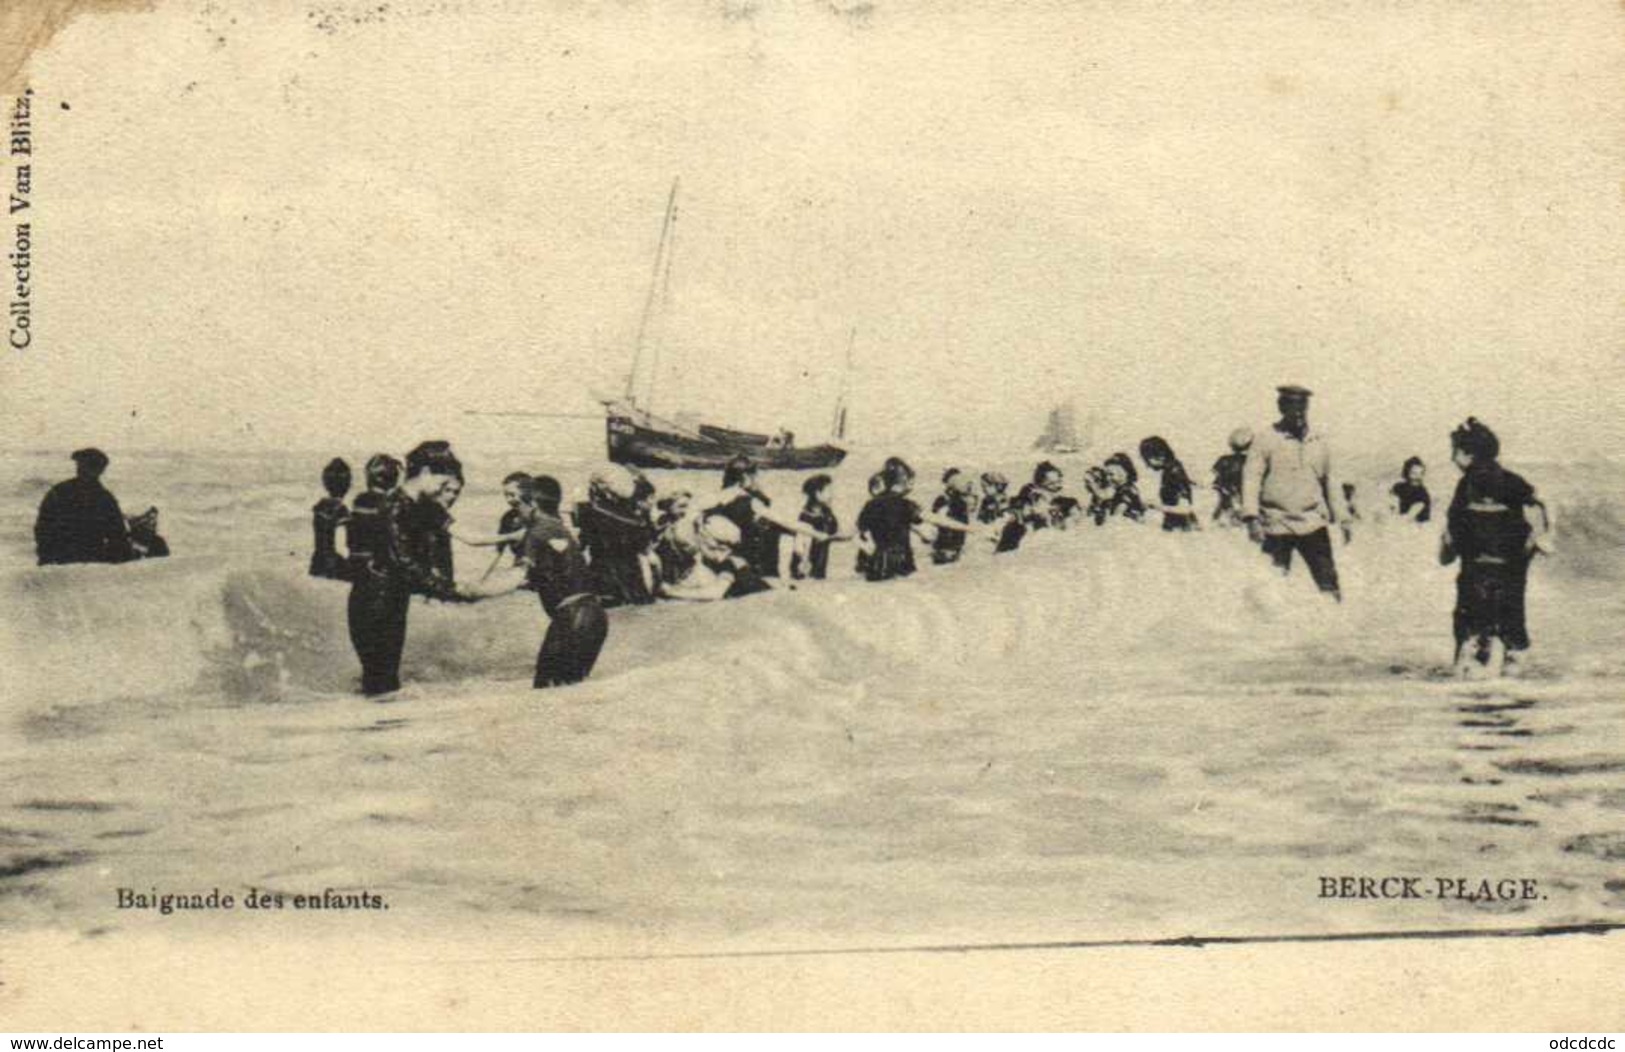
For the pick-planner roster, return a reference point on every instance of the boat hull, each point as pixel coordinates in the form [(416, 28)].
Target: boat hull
[(637, 445)]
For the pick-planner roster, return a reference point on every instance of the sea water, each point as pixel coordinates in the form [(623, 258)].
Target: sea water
[(1114, 733)]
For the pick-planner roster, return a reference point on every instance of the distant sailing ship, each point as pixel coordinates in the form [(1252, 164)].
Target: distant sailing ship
[(640, 439), (1061, 432)]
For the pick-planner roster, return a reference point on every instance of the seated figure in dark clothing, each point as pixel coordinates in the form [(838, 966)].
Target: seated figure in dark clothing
[(145, 540), (80, 521)]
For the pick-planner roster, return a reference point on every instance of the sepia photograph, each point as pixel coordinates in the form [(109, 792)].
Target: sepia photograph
[(812, 515)]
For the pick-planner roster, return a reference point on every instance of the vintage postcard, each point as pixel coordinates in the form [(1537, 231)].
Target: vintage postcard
[(812, 515)]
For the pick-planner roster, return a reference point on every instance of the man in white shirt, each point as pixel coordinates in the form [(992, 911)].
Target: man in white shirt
[(1289, 498)]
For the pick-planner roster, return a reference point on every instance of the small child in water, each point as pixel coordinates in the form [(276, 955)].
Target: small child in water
[(556, 571), (888, 521), (866, 545), (1033, 508), (1409, 497), (718, 571), (811, 558), (954, 503), (367, 530), (995, 500), (518, 515), (1227, 472), (1495, 526), (673, 552), (1174, 492), (326, 517), (1113, 494), (145, 540)]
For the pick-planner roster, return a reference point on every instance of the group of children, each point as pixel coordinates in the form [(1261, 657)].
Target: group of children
[(626, 544), (399, 537)]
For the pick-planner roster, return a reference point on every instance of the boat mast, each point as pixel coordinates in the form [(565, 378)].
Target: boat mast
[(838, 425), (662, 263)]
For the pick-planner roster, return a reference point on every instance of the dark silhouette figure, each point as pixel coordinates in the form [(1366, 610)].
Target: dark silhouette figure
[(145, 540), (1174, 493), (80, 521), (1495, 525), (558, 574), (1227, 474), (889, 520), (1410, 497), (326, 517), (395, 540)]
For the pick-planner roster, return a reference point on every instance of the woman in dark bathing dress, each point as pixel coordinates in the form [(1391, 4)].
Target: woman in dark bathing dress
[(1174, 494)]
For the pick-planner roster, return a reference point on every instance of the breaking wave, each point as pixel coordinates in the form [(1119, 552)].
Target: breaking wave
[(1083, 604)]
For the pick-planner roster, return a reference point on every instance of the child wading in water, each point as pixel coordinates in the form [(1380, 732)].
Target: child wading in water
[(557, 573), (954, 503), (890, 519), (550, 563), (326, 517), (1495, 526), (866, 544), (1227, 473), (1409, 496), (1174, 494), (811, 558)]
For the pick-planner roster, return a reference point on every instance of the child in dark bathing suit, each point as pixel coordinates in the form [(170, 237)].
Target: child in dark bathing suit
[(954, 503), (674, 555), (1118, 497), (866, 547), (1034, 508), (1174, 494), (1495, 526), (760, 524), (890, 521), (1227, 473), (811, 558), (1409, 498), (326, 517), (994, 501)]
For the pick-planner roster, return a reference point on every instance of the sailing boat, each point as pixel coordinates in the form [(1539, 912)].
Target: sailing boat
[(1061, 432), (640, 439)]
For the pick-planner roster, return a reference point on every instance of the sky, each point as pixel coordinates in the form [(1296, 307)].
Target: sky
[(345, 226)]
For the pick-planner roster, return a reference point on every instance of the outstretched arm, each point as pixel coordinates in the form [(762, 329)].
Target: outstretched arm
[(486, 540), (942, 522), (795, 526)]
